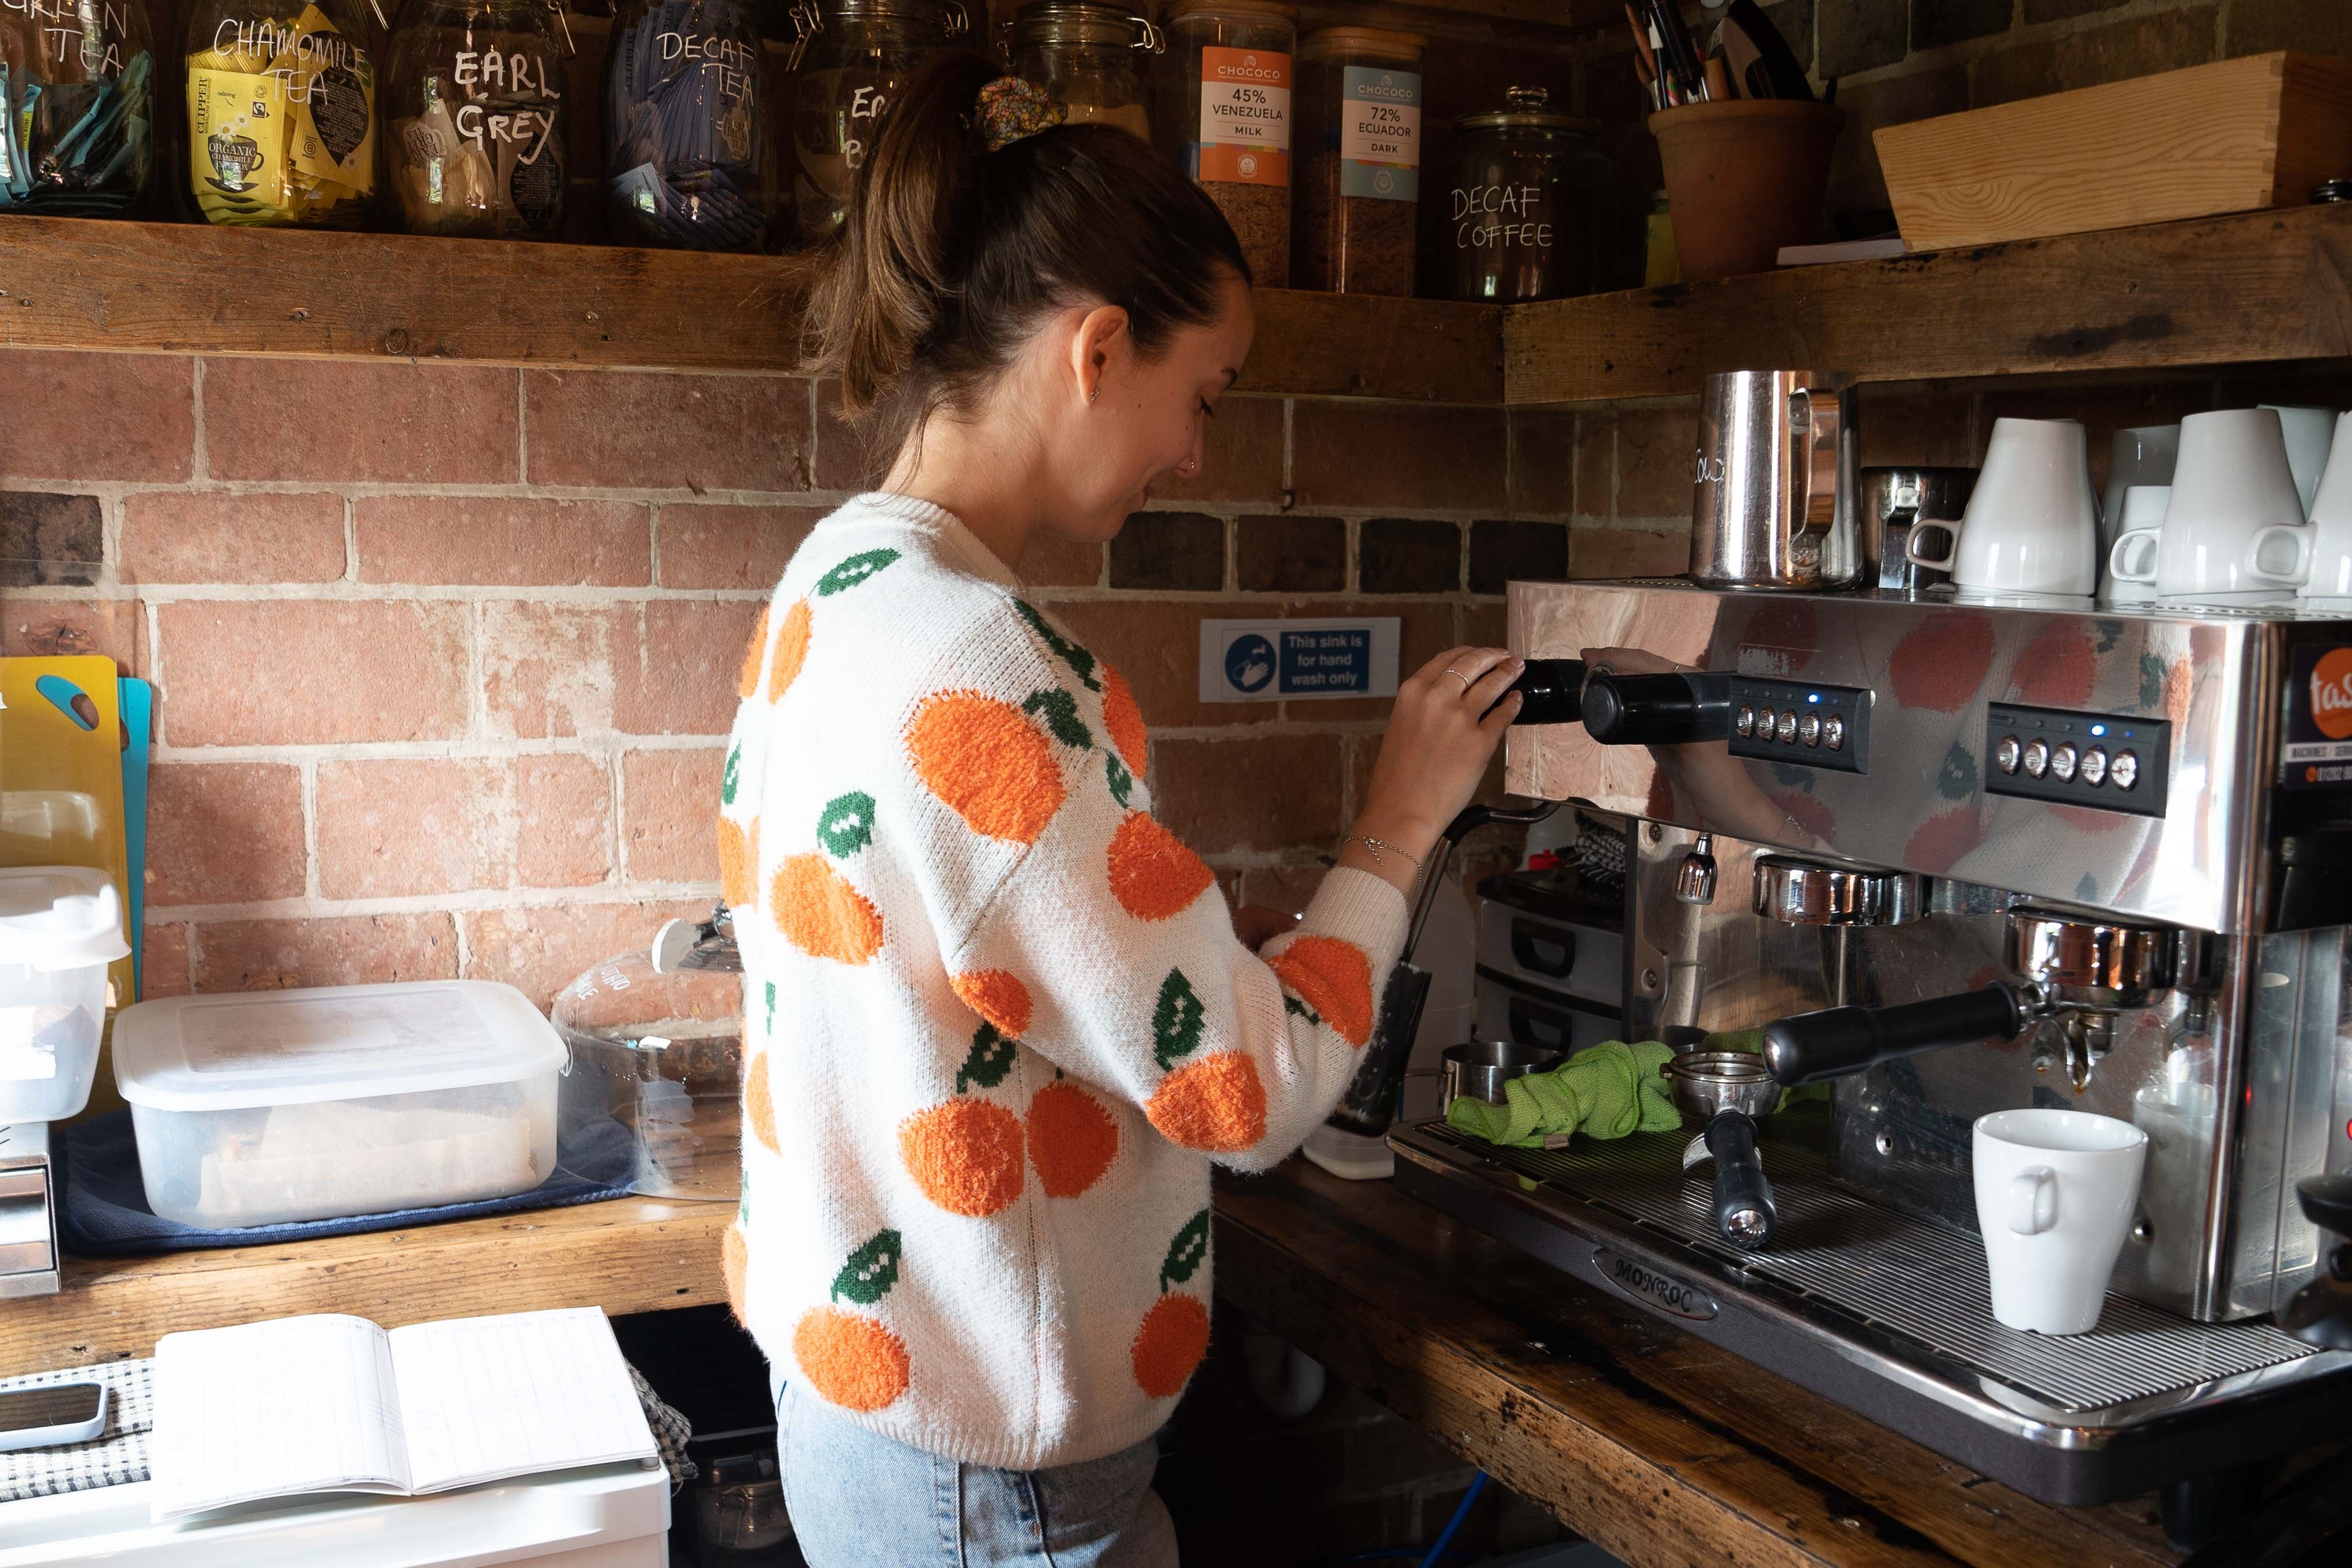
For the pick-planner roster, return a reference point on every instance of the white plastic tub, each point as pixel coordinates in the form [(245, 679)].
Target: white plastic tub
[(267, 1108), (60, 926)]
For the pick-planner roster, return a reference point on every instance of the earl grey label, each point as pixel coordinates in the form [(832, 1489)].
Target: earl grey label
[(1651, 1288)]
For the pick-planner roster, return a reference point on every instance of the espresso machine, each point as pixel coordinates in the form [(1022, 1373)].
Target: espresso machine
[(1952, 858)]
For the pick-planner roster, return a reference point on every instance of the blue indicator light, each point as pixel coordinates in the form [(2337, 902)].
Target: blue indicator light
[(2098, 729), (1812, 697)]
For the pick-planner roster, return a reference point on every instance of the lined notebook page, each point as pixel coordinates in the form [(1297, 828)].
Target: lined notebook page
[(484, 1398), (263, 1409)]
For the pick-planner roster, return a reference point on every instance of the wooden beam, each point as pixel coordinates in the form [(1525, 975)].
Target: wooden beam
[(2256, 287), (630, 1255)]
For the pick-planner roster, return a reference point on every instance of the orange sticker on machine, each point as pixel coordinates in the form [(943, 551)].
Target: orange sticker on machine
[(2331, 693), (2315, 742), (1244, 127)]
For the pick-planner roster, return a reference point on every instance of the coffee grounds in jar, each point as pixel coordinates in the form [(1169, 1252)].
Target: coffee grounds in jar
[(1260, 215), (1353, 244)]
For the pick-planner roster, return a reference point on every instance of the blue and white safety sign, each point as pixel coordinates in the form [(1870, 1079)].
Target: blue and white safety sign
[(1285, 660)]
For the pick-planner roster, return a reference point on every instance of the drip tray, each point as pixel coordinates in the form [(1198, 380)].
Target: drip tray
[(1887, 1315)]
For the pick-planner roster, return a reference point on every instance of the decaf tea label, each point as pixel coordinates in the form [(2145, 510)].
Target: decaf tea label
[(1380, 134), (1246, 117)]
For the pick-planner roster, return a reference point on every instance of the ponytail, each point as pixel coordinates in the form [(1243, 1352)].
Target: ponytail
[(953, 256)]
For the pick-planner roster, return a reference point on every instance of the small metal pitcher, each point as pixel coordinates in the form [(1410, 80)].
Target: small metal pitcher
[(1893, 502), (1772, 482), (1480, 1068)]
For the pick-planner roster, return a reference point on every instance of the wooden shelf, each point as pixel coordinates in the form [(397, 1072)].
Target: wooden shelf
[(630, 1255), (68, 283), (2256, 287)]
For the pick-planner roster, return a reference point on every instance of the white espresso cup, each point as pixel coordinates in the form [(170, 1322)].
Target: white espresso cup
[(2309, 431), (2033, 522), (2327, 577), (2141, 457), (2055, 1194), (2232, 488)]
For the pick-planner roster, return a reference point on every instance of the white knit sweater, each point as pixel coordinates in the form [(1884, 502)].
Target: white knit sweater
[(999, 1020)]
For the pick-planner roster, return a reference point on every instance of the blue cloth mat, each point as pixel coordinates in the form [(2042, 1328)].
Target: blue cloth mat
[(105, 1212)]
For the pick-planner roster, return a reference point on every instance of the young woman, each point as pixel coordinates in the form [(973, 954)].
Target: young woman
[(1002, 1023)]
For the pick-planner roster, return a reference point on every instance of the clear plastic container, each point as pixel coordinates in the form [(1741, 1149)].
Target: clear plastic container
[(268, 1107), (60, 926), (662, 1054)]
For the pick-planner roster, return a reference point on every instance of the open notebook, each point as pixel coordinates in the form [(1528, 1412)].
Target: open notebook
[(336, 1404)]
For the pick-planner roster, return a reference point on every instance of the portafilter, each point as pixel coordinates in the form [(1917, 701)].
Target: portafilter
[(1726, 1090)]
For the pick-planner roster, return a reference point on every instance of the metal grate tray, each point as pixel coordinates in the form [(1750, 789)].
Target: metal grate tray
[(1899, 1274)]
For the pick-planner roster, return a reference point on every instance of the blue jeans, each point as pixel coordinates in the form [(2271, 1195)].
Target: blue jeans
[(862, 1501)]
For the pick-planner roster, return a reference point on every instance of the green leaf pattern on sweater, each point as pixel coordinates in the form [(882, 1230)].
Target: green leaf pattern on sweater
[(870, 1271), (854, 570), (847, 825), (1186, 1253), (989, 1059), (1081, 662), (1060, 711), (1176, 1020)]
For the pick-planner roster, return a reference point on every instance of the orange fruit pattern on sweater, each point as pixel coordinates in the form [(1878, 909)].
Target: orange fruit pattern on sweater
[(820, 914), (965, 1155), (998, 996), (852, 1361), (1334, 979), (993, 767), (1170, 1345), (1152, 874), (1072, 1139), (792, 648), (1216, 1104), (751, 681), (738, 863), (1124, 720), (734, 1261), (759, 1104)]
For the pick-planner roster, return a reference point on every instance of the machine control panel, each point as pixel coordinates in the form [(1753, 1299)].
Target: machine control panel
[(2109, 762), (1799, 723)]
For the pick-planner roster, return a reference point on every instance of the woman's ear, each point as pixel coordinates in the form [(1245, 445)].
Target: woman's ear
[(1101, 336)]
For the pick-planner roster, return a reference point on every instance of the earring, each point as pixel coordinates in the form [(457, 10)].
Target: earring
[(1094, 394)]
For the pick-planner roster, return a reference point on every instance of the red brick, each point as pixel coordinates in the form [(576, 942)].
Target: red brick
[(2314, 26), (844, 458), (1156, 646), (163, 962), (1602, 551), (542, 950), (671, 806), (337, 950), (1051, 562), (1241, 457), (1401, 457), (564, 806), (393, 827), (99, 416), (1265, 792), (730, 547), (625, 428), (1543, 462), (2141, 47), (1285, 887), (1857, 182), (1655, 447), (44, 628), (311, 672), (684, 678), (338, 418), (223, 833), (206, 536), (459, 539), (548, 669)]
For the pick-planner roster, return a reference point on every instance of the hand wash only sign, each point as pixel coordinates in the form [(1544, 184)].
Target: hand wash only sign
[(1285, 660)]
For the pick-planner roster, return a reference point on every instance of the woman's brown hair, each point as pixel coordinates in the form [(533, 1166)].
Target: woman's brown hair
[(953, 256)]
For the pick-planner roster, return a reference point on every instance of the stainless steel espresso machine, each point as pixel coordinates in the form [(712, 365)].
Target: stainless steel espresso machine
[(1956, 858)]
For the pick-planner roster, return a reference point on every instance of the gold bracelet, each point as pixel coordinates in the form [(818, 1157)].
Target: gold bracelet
[(1376, 846)]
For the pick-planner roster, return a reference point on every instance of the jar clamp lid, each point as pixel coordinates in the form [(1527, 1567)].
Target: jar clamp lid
[(1526, 107), (808, 18), (1081, 22)]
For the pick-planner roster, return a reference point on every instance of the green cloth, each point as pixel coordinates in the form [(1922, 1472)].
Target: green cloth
[(1606, 1090)]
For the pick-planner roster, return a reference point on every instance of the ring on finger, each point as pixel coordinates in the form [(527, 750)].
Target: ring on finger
[(1459, 676)]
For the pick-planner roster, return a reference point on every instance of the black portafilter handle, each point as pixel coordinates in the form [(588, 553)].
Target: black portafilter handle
[(1551, 691), (1836, 1041), (1657, 710), (1744, 1214)]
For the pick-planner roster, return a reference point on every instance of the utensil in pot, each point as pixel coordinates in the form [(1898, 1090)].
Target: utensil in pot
[(1726, 1090), (1480, 1068)]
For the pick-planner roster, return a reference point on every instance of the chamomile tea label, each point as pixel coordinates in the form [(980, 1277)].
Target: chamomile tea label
[(237, 141), (1245, 117), (1379, 133)]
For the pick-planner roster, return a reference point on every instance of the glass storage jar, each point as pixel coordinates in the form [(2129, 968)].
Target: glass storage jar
[(281, 110), (77, 116), (1095, 59), (1225, 117), (853, 57), (1534, 209), (687, 159), (1356, 210), (475, 119)]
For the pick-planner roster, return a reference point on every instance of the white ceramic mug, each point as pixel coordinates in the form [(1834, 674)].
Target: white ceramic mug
[(2231, 484), (2033, 522), (2309, 433), (2055, 1194), (2327, 576), (2141, 457)]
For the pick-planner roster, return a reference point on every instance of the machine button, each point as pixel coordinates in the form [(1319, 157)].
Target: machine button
[(1743, 722), (1787, 728), (2124, 769), (2062, 760), (1809, 729), (2005, 755), (2094, 766), (1833, 733), (2037, 758)]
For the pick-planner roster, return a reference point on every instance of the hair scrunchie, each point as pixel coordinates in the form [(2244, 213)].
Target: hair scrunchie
[(1009, 109)]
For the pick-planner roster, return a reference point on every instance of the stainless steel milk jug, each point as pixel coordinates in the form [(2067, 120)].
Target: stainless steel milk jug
[(1772, 491)]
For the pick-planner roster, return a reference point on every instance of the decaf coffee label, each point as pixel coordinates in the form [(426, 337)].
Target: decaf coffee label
[(1246, 117), (1380, 134), (2316, 750)]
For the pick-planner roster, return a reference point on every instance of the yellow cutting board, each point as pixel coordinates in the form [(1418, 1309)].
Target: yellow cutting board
[(61, 773)]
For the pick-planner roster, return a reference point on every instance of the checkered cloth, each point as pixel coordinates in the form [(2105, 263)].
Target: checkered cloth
[(117, 1454)]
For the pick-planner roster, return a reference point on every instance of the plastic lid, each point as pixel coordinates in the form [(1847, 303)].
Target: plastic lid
[(59, 918), (239, 1050), (1378, 42), (1526, 106)]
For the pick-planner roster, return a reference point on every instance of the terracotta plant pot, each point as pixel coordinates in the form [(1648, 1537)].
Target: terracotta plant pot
[(1743, 178)]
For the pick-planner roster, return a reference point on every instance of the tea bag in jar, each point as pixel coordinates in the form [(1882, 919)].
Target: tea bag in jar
[(444, 181), (477, 114)]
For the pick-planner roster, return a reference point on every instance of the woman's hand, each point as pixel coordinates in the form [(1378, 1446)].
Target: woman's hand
[(1440, 737)]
